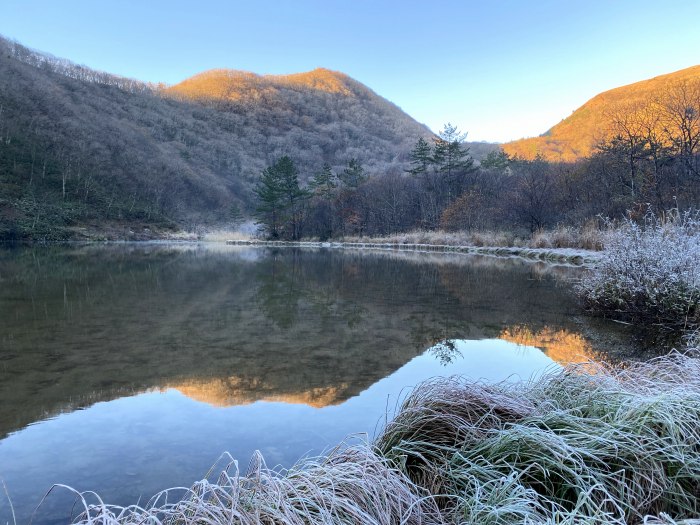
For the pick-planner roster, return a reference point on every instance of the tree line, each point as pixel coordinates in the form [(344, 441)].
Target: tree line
[(650, 158), (350, 202), (80, 147)]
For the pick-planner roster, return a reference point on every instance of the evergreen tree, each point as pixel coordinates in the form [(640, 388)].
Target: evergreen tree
[(324, 182), (450, 154), (280, 200), (497, 160), (235, 215), (269, 196), (452, 158), (421, 157), (353, 175)]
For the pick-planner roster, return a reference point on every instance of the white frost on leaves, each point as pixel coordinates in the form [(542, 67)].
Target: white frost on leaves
[(650, 270)]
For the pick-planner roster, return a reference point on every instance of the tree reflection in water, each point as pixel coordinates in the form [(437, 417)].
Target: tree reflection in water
[(92, 323), (445, 352)]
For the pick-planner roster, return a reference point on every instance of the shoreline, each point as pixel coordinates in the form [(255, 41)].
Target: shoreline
[(458, 450), (573, 256), (568, 256)]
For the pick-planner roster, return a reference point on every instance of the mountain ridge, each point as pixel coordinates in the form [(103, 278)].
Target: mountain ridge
[(575, 136), (320, 78), (83, 147)]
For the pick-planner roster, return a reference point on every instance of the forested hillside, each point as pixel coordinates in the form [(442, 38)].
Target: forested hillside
[(651, 106), (84, 148), (320, 116), (88, 154)]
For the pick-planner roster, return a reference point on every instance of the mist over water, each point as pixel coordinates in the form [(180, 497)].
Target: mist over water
[(127, 369)]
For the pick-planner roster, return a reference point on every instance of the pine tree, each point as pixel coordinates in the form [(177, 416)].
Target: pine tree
[(324, 182), (497, 160), (269, 196), (421, 157), (452, 159), (449, 153), (280, 200), (235, 215), (353, 175)]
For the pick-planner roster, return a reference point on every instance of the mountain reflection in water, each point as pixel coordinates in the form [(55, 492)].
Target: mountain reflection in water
[(234, 391), (561, 345), (302, 346)]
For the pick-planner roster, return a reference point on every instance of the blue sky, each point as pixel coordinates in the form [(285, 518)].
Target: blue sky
[(500, 70)]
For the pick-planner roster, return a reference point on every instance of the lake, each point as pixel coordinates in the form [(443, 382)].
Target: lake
[(129, 368)]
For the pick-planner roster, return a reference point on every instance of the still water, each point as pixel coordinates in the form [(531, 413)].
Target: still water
[(126, 369)]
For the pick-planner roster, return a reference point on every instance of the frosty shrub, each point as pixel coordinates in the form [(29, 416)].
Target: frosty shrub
[(649, 272), (693, 342)]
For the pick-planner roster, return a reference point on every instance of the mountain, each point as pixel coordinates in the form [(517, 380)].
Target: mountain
[(315, 117), (576, 136), (86, 149)]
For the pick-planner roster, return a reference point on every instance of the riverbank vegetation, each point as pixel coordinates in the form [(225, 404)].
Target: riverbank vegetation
[(649, 273), (443, 188), (586, 444), (89, 155), (590, 237)]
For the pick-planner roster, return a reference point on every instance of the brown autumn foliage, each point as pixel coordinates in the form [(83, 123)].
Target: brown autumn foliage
[(81, 147), (597, 120), (85, 149)]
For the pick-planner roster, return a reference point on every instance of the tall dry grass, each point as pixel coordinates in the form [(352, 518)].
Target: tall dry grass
[(588, 237), (576, 446)]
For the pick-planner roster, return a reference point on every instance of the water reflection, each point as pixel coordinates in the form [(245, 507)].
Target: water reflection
[(236, 391), (178, 352), (96, 323), (446, 352), (563, 346)]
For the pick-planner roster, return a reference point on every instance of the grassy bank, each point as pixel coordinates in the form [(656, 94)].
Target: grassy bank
[(649, 274), (562, 245), (589, 237), (581, 445)]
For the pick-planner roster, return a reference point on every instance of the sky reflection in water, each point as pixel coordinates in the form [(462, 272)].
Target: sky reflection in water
[(181, 353)]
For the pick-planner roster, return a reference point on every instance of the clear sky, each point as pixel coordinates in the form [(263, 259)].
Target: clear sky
[(500, 70)]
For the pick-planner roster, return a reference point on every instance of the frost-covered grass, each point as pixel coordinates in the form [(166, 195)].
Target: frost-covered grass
[(649, 273), (577, 446), (443, 238), (224, 235), (693, 342), (589, 237), (350, 485)]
